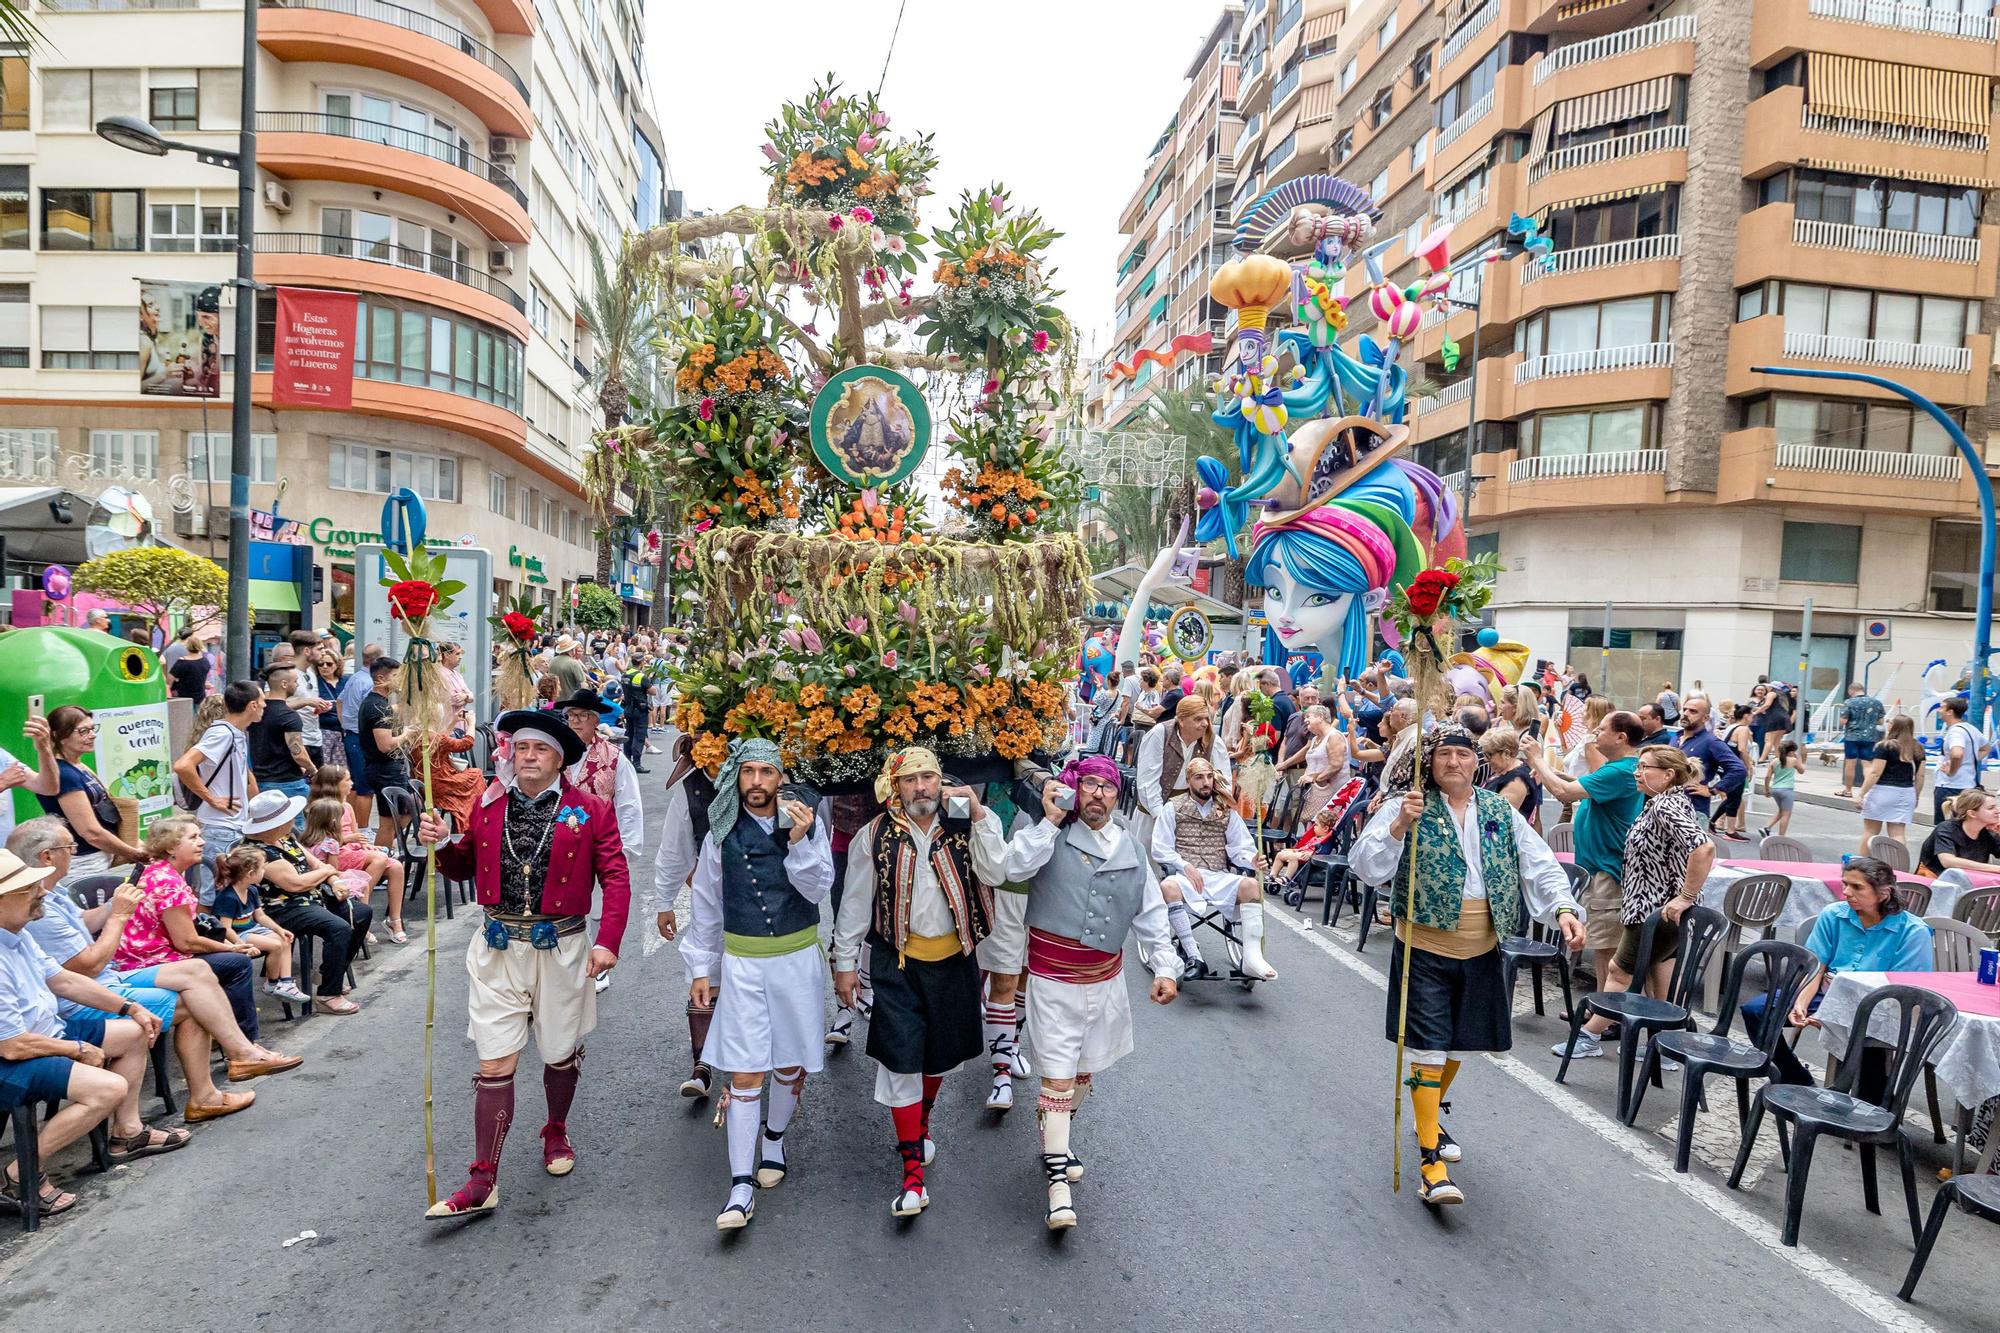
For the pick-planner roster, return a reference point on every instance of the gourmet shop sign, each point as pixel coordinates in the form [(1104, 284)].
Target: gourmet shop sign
[(312, 360)]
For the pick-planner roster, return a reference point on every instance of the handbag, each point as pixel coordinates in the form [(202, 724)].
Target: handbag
[(209, 926)]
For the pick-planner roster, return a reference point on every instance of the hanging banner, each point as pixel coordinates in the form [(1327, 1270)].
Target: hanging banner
[(180, 339), (312, 363)]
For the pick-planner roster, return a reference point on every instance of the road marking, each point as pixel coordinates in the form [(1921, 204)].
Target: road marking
[(1879, 1307)]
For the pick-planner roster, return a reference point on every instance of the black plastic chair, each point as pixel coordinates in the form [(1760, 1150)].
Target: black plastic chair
[(28, 1157), (1923, 1019), (1637, 1013), (1535, 951), (1337, 880), (1978, 1195), (1787, 968), (409, 852), (90, 893)]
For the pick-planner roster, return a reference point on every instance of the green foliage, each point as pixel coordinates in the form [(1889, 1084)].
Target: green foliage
[(833, 150), (993, 297), (597, 607), (162, 583)]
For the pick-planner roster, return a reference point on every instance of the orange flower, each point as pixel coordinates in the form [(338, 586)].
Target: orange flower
[(810, 696), (689, 717), (709, 751), (861, 699)]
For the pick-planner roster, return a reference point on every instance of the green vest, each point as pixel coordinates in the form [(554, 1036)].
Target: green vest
[(1441, 882)]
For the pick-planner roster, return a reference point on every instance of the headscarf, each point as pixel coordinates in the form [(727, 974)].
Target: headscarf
[(1099, 766), (909, 762), (722, 811)]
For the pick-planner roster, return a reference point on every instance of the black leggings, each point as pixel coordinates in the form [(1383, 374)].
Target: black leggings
[(339, 942)]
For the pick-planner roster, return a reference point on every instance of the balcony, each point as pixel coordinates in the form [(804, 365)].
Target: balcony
[(1594, 361), (1555, 467), (1952, 376), (1612, 254), (114, 6), (1819, 235), (1772, 242), (1779, 131), (417, 405), (1904, 34), (307, 259), (1755, 468), (1665, 139), (1285, 87), (1471, 116), (1482, 19), (1905, 17), (1614, 44), (356, 32), (305, 145)]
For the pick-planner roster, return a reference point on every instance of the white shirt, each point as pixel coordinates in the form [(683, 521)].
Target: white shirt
[(930, 914), (1544, 886), (7, 761), (1152, 760), (808, 866), (1030, 850), (1967, 737), (1242, 849), (224, 769), (671, 865)]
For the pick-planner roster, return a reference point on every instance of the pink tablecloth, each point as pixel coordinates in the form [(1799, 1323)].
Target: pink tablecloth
[(1961, 988)]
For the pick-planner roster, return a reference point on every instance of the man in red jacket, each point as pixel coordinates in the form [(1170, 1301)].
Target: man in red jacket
[(536, 848)]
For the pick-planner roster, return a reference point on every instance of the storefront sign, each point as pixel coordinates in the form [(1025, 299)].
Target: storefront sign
[(133, 758), (180, 339), (313, 357), (530, 563), (342, 541)]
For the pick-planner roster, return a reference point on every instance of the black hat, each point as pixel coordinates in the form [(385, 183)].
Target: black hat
[(586, 698), (545, 724)]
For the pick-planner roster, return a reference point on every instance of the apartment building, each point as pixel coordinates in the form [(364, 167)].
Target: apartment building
[(1177, 225), (442, 158)]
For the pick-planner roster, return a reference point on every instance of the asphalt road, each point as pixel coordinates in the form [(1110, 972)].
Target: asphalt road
[(1238, 1176)]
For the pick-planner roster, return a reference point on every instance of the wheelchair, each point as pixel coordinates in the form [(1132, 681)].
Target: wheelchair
[(1213, 919)]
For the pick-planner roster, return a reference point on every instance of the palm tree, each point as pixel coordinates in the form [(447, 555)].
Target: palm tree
[(622, 315), (16, 28)]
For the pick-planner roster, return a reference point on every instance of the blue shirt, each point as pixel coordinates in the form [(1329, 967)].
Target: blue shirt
[(352, 691), (1722, 768), (1900, 942), (62, 934), (27, 1005)]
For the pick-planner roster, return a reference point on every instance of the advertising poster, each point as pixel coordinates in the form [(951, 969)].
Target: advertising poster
[(312, 361), (180, 339), (133, 758)]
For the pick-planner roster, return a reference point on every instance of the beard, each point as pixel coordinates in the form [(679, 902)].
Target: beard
[(756, 798), (922, 807)]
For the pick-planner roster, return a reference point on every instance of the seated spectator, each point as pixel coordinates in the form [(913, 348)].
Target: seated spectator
[(81, 801), (1966, 840), (185, 995), (292, 876), (1312, 841), (357, 851), (95, 1061), (246, 925), (1869, 932), (1513, 777)]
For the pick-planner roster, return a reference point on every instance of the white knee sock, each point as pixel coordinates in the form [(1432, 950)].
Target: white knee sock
[(745, 1110), (1183, 924), (784, 1100), (1252, 916), (999, 1030)]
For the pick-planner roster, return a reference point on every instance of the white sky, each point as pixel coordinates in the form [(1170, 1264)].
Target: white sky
[(1058, 99)]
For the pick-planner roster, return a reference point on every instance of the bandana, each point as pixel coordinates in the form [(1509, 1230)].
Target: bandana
[(1090, 766), (908, 762), (722, 811), (547, 738)]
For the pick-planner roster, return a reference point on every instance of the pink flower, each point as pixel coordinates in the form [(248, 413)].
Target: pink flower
[(809, 327), (835, 223), (857, 624), (880, 120), (997, 202), (703, 526), (866, 143), (889, 659), (896, 245), (812, 640), (861, 213), (1040, 342), (825, 105), (771, 151), (990, 387), (785, 599), (740, 296), (707, 409), (700, 449), (981, 670), (790, 638), (907, 612), (848, 671)]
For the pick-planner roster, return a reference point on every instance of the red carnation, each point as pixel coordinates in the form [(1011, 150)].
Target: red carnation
[(518, 625), (1427, 590), (413, 599)]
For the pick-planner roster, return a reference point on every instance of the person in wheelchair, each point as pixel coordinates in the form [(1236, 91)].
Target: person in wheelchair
[(1205, 853)]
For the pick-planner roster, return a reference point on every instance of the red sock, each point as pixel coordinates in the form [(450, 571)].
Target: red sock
[(932, 1082), (910, 1143), (492, 1112), (559, 1085)]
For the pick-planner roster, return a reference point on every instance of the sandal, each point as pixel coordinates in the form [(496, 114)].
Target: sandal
[(146, 1144), (336, 1006), (52, 1200)]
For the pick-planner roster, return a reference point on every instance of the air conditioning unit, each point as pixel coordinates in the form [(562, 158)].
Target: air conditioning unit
[(201, 520), (277, 196), (501, 260), (502, 148)]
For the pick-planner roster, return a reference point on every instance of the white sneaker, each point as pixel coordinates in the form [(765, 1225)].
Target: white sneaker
[(1587, 1048), (911, 1202), (1017, 1063)]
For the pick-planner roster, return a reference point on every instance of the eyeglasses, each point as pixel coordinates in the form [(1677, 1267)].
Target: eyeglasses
[(1095, 784)]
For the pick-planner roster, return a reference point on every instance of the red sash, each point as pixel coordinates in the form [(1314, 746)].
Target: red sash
[(1061, 959)]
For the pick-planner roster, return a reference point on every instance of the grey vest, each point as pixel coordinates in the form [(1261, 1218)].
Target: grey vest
[(757, 897), (1087, 899)]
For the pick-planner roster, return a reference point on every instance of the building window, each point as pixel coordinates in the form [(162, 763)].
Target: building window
[(13, 88), (218, 230), (1820, 553), (1954, 578), (131, 454), (1378, 189), (1348, 72), (209, 457), (496, 493), (1382, 107), (14, 227), (1343, 147), (14, 318), (1899, 317), (1420, 151), (1386, 33), (1420, 68), (27, 454), (366, 467), (176, 108), (1842, 423), (1656, 214), (91, 219), (171, 227), (76, 99), (407, 342), (1613, 430), (538, 308), (1588, 328), (1896, 205), (81, 337)]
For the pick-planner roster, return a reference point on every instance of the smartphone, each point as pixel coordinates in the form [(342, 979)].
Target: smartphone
[(784, 820), (958, 807), (1065, 797), (35, 705)]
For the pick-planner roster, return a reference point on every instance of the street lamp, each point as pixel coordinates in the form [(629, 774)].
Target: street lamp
[(138, 136)]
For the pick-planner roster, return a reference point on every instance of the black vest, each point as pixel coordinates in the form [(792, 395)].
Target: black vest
[(757, 897), (970, 906)]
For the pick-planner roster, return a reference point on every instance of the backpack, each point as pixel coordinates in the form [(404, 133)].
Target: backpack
[(183, 798)]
